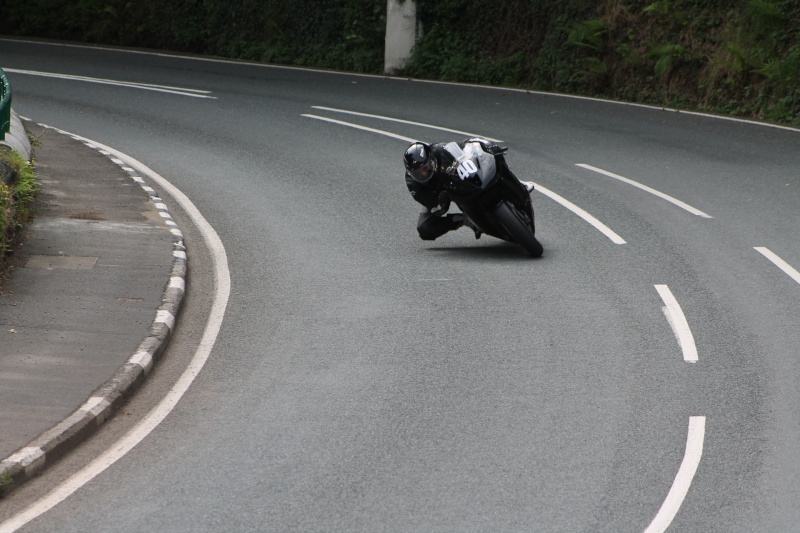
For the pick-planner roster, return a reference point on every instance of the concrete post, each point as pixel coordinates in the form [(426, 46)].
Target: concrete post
[(401, 34)]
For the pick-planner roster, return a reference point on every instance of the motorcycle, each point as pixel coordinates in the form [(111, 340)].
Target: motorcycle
[(489, 195)]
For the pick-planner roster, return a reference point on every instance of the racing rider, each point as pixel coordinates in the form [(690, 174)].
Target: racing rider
[(427, 168)]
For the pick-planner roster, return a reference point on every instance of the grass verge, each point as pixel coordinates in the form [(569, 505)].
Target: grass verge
[(16, 202)]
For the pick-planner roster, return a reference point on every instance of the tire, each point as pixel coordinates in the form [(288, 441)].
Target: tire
[(516, 227)]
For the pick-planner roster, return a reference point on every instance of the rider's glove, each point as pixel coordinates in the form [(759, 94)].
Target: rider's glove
[(496, 149), (443, 204)]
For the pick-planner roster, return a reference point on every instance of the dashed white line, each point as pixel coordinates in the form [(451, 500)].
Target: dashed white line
[(605, 230), (660, 194), (359, 127), (602, 228), (780, 263), (680, 326), (401, 121), (683, 480)]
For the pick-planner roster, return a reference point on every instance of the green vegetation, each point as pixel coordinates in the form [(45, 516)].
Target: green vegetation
[(337, 34), (740, 57), (6, 483), (16, 200)]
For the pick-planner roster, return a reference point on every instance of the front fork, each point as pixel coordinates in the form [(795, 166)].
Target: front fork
[(519, 196)]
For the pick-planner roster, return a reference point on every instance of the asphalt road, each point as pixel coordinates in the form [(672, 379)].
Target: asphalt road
[(366, 380)]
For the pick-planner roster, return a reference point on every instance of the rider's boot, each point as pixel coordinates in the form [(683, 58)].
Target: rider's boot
[(470, 224)]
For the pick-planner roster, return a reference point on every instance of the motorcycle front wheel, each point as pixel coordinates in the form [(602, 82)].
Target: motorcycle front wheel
[(515, 225)]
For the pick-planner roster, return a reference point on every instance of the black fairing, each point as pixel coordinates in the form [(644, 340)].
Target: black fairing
[(479, 205), (479, 192)]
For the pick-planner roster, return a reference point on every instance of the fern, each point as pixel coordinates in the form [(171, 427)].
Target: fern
[(661, 7), (588, 34), (664, 56)]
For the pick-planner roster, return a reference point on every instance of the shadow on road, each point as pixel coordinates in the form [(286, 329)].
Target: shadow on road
[(491, 251)]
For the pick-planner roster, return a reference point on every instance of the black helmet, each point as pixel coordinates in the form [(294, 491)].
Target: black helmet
[(420, 162)]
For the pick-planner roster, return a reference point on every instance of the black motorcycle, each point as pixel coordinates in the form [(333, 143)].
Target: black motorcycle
[(489, 194)]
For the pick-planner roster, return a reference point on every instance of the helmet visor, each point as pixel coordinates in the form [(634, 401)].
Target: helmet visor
[(424, 173)]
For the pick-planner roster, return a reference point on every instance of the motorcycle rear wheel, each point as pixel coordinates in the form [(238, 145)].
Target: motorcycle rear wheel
[(519, 230)]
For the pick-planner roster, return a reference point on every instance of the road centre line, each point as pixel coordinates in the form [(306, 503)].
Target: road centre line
[(391, 119), (683, 480), (356, 126), (605, 230), (677, 320), (780, 263), (660, 194), (194, 93), (602, 228)]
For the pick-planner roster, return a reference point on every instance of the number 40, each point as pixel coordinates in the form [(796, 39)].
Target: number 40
[(466, 169)]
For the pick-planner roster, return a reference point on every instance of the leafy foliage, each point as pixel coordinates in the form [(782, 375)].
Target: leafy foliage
[(337, 34), (588, 33), (741, 57), (16, 200)]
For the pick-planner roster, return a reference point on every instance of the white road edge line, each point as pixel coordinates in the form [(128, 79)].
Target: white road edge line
[(677, 320), (358, 127), (660, 194), (561, 200), (194, 93), (401, 121), (222, 284), (683, 480), (780, 263), (602, 228)]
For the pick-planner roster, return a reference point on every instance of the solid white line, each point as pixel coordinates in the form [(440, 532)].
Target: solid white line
[(602, 228), (683, 480), (680, 326), (358, 127), (601, 100), (401, 121), (222, 286), (87, 78), (660, 194), (194, 93), (780, 263)]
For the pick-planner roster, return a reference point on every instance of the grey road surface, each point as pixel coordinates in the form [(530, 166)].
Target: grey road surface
[(365, 380)]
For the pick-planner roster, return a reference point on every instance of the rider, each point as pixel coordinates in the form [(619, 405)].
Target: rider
[(427, 167)]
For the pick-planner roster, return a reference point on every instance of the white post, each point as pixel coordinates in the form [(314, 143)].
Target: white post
[(401, 34)]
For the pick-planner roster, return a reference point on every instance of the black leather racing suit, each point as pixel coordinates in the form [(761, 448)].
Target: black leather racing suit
[(433, 222)]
